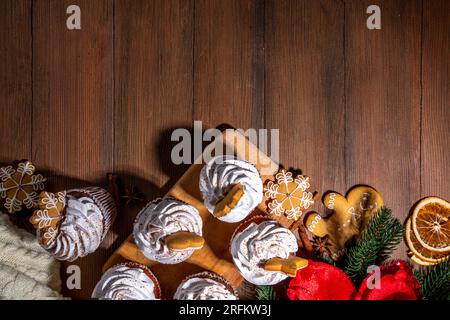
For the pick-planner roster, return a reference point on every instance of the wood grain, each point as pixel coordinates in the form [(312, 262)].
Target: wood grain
[(15, 80), (228, 65), (383, 102), (305, 87), (347, 100), (153, 96), (436, 96), (72, 107)]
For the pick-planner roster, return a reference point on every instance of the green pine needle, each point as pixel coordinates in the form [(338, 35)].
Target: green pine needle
[(379, 239), (435, 281), (266, 293)]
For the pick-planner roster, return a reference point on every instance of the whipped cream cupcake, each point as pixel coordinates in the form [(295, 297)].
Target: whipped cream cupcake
[(231, 188), (72, 224), (168, 231), (127, 281), (205, 286), (262, 249)]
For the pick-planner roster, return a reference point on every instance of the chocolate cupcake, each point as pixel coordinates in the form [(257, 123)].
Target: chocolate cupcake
[(127, 281), (260, 249), (205, 286), (231, 188), (168, 231), (72, 224)]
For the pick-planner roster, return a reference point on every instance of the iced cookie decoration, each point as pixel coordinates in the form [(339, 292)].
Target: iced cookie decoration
[(288, 196), (348, 217), (288, 266), (20, 187), (47, 219), (428, 231), (264, 251), (127, 281), (168, 231), (231, 188), (72, 224), (205, 286)]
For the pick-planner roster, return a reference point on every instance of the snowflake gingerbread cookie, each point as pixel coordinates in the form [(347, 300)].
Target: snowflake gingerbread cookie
[(288, 195), (19, 186), (49, 215)]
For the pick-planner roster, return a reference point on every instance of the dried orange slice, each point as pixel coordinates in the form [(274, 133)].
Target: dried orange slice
[(421, 255), (417, 260), (431, 225)]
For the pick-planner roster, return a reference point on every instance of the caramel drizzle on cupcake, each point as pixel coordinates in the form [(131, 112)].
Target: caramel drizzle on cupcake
[(48, 217)]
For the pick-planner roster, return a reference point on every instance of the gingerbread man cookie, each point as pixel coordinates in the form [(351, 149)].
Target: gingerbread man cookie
[(349, 216)]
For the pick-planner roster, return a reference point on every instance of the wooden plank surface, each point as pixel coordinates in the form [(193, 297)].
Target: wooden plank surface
[(436, 96), (305, 87), (153, 96), (72, 107), (229, 70), (15, 80), (228, 63), (383, 102), (353, 105)]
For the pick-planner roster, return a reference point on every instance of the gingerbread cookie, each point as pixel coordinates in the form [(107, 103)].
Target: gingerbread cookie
[(19, 186), (71, 224), (49, 215), (288, 266), (349, 216), (184, 240), (229, 202), (288, 195)]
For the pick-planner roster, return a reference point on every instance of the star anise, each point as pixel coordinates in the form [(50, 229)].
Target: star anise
[(320, 245), (133, 196)]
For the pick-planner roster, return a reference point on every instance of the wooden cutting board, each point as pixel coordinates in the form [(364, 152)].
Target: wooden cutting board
[(215, 255)]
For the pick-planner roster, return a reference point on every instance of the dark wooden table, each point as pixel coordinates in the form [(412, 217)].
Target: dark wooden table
[(353, 105)]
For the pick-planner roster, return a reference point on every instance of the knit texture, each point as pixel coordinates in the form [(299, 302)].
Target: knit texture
[(27, 271)]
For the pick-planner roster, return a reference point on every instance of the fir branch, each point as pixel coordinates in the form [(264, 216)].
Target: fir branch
[(435, 281), (266, 293), (326, 258), (379, 239)]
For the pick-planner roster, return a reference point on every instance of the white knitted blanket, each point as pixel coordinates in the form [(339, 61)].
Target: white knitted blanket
[(27, 271)]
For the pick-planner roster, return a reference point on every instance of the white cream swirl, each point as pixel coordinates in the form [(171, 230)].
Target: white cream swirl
[(219, 175), (80, 231), (199, 288), (160, 219), (259, 243), (124, 283)]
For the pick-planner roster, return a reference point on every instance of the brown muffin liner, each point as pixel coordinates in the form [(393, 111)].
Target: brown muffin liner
[(215, 277), (157, 289), (255, 219), (103, 200)]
